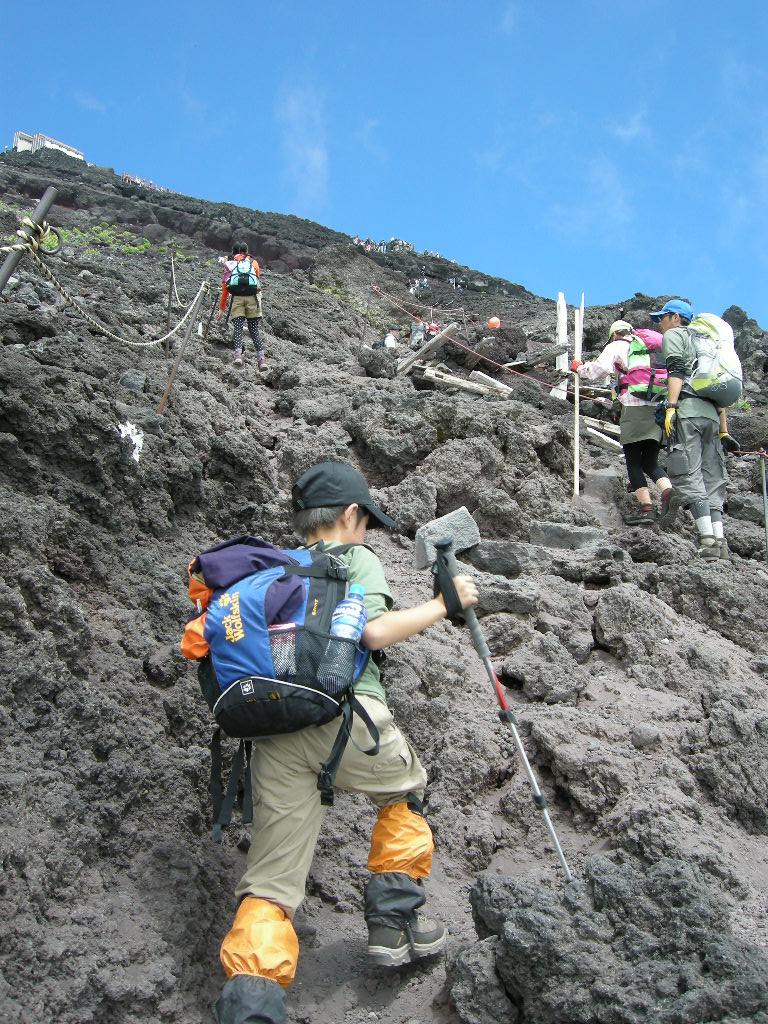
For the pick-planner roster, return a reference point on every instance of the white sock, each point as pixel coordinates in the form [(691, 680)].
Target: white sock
[(704, 526), (717, 526)]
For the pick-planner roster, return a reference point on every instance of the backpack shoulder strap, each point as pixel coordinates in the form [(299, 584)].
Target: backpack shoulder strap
[(328, 769)]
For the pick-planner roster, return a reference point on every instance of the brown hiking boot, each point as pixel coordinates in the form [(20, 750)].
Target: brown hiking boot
[(643, 515), (392, 947), (670, 503)]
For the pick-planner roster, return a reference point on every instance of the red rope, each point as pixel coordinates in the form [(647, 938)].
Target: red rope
[(466, 348)]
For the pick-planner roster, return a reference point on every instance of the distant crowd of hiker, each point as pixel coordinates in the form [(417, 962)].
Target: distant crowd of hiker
[(133, 179), (674, 387)]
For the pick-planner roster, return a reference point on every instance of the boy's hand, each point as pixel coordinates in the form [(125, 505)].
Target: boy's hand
[(466, 588)]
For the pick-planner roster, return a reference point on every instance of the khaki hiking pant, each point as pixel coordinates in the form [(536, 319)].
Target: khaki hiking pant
[(287, 812), (696, 465), (248, 306)]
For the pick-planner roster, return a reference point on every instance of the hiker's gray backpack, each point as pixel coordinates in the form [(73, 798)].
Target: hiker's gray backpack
[(717, 373)]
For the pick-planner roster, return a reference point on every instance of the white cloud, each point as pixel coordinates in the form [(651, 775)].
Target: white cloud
[(367, 138), (301, 119), (632, 128), (88, 102), (509, 19), (604, 209)]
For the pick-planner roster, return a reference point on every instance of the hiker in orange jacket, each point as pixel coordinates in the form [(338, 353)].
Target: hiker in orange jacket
[(245, 306)]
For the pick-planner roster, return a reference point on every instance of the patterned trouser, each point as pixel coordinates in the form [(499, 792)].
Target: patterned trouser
[(253, 330)]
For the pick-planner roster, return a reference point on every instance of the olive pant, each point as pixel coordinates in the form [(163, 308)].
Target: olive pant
[(287, 812), (696, 465)]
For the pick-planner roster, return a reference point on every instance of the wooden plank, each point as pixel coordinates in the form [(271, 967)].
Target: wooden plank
[(430, 373), (608, 428), (603, 440), (445, 335), (491, 382)]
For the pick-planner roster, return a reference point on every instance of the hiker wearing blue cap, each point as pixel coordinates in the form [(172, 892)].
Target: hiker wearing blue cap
[(697, 431)]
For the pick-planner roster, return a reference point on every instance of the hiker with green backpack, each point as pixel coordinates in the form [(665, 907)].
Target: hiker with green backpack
[(705, 378), (634, 356), (240, 282), (325, 674)]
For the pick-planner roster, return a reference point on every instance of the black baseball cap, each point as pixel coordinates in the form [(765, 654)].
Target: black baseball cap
[(330, 484)]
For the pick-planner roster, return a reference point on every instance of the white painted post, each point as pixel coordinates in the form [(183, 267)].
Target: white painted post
[(561, 362), (578, 334)]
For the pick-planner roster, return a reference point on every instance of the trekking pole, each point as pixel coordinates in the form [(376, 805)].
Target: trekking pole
[(444, 549), (229, 309)]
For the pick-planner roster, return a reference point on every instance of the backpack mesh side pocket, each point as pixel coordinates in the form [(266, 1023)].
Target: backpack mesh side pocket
[(318, 660)]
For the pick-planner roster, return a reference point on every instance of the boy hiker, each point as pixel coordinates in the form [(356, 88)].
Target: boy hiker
[(246, 301), (332, 504), (628, 357), (699, 433)]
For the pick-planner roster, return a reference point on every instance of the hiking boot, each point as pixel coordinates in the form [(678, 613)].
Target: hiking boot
[(725, 554), (708, 549), (262, 361), (670, 503), (641, 515), (392, 947), (238, 358)]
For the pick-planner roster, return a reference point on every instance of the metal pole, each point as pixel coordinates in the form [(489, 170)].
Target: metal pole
[(505, 712), (765, 504), (38, 216), (175, 366)]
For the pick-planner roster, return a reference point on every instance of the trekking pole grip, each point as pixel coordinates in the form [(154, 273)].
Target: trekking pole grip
[(445, 547)]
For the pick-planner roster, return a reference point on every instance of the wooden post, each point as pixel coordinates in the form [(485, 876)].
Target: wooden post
[(179, 354), (210, 315), (405, 364), (578, 318), (365, 320), (561, 363), (168, 325)]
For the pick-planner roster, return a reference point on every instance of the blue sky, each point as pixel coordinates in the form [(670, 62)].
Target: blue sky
[(609, 147)]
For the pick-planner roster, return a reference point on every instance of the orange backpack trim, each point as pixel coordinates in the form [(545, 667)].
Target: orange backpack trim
[(193, 643)]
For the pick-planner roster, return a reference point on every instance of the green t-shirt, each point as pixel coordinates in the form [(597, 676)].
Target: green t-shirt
[(677, 342), (366, 569)]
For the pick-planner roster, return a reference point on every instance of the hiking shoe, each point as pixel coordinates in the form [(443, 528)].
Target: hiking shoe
[(724, 552), (643, 514), (238, 358), (670, 503), (708, 549), (392, 947), (262, 361)]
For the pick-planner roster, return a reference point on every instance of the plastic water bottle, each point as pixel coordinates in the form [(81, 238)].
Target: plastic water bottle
[(349, 616)]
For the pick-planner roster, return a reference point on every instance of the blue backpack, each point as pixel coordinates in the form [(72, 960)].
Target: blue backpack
[(268, 663)]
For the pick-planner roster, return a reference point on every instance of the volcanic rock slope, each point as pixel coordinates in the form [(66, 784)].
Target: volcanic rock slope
[(637, 673)]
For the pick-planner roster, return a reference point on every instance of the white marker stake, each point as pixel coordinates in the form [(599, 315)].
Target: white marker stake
[(561, 363), (578, 317)]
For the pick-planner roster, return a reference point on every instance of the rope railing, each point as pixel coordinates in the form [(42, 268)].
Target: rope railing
[(102, 328), (32, 236)]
